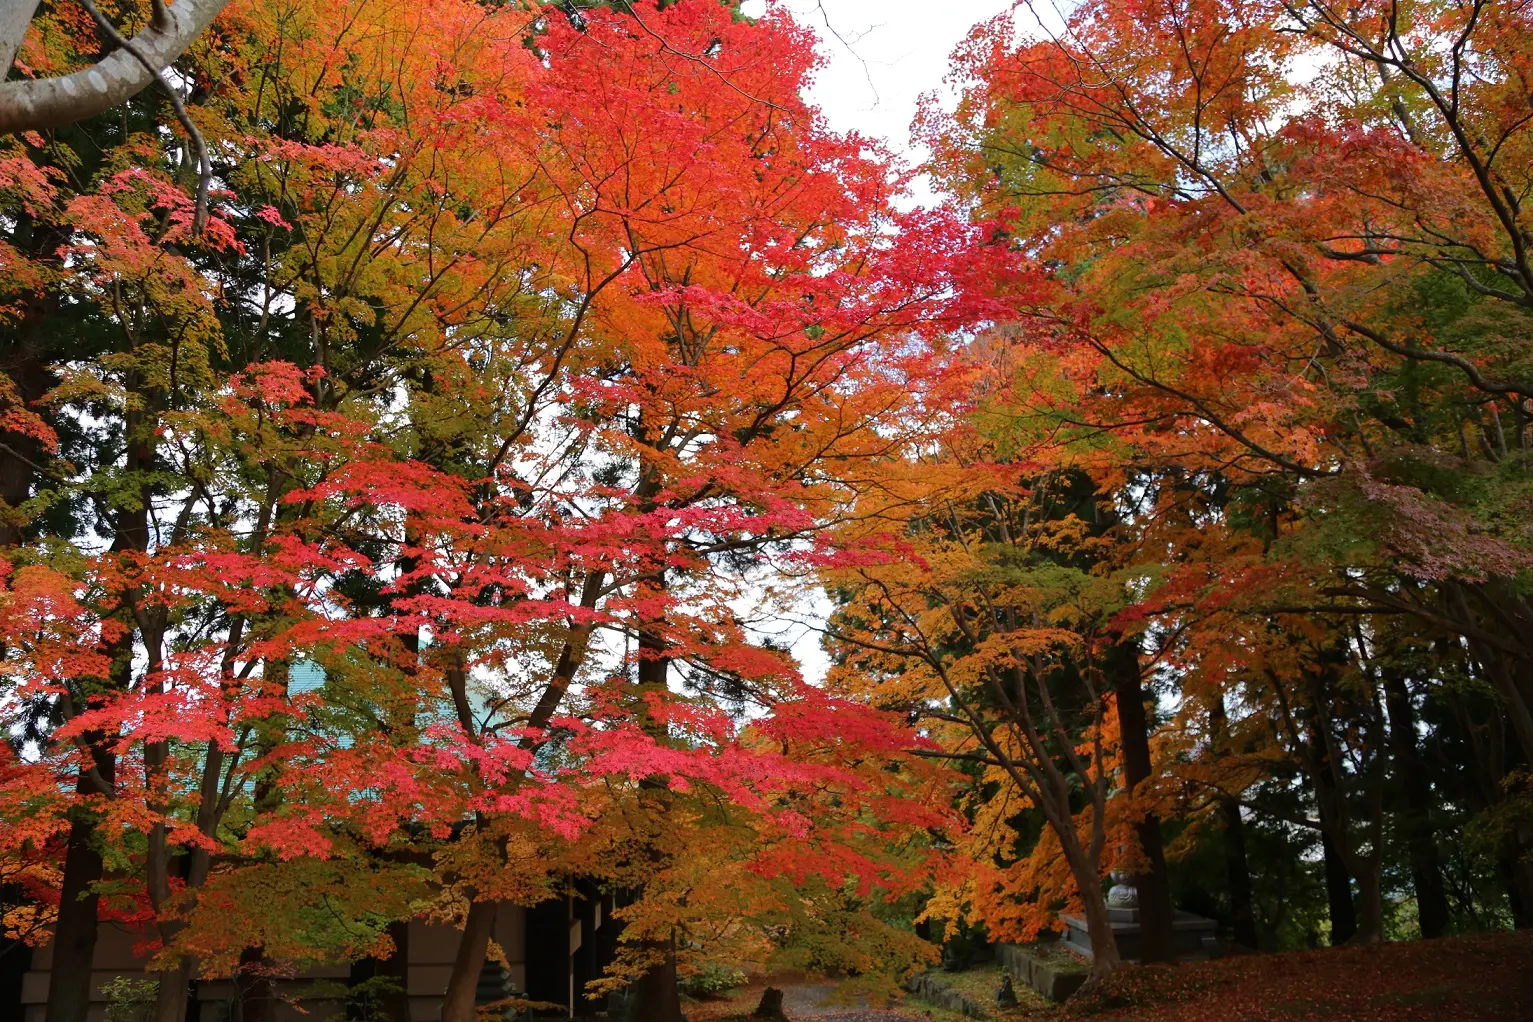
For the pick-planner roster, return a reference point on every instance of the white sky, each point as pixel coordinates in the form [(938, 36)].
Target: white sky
[(883, 55), (889, 52)]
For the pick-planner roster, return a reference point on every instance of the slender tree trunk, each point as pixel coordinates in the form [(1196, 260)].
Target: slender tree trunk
[(461, 984), (1370, 901), (1338, 893), (654, 997), (1236, 867), (458, 1001), (74, 934), (1105, 959), (1517, 874), (68, 1001), (1238, 875), (252, 987), (19, 453), (396, 969), (1486, 742), (1330, 803), (1152, 883), (1413, 806)]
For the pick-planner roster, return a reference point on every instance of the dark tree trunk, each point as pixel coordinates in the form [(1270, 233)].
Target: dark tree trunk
[(18, 451), (1152, 884), (1338, 893), (175, 993), (1238, 874), (15, 961), (1236, 867), (1413, 806), (396, 969), (1517, 873), (252, 987), (461, 984), (654, 996), (1330, 800), (74, 935), (74, 940), (458, 1004)]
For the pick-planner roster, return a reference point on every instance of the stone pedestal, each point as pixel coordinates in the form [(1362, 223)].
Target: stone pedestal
[(1192, 937)]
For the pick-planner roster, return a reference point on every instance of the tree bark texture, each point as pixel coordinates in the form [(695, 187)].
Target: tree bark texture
[(458, 1002), (37, 104), (1413, 808), (1152, 883)]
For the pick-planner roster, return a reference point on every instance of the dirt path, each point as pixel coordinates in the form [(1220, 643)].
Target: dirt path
[(811, 1001)]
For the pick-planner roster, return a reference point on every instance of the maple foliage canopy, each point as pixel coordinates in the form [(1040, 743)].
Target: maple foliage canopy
[(1233, 511), (396, 534)]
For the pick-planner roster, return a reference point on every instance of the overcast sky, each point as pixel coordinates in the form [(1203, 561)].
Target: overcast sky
[(883, 54), (888, 53)]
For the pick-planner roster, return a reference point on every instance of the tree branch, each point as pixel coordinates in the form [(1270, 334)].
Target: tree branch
[(54, 102), (14, 19)]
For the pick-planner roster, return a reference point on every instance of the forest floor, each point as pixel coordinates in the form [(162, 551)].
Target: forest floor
[(1486, 978)]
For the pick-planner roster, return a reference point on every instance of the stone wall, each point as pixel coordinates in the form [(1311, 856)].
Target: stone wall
[(929, 986), (1053, 980)]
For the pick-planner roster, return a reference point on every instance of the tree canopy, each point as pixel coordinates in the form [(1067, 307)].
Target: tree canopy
[(417, 417)]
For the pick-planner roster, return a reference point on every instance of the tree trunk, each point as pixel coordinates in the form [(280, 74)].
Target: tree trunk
[(1338, 893), (1517, 873), (1238, 875), (252, 987), (458, 1002), (1152, 883), (1413, 807), (74, 934), (1237, 868), (654, 996), (18, 451), (465, 974), (170, 999), (1370, 902), (396, 968), (1104, 945), (1330, 806)]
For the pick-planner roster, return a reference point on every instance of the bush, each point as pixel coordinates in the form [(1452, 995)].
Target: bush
[(712, 981), (130, 1000)]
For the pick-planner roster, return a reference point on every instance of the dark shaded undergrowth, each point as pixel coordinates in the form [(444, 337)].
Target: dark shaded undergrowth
[(1483, 978)]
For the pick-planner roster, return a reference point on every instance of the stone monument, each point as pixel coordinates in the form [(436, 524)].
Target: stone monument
[(1192, 937)]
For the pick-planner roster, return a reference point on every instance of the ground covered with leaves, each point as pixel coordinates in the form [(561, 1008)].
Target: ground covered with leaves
[(1483, 977), (1486, 978)]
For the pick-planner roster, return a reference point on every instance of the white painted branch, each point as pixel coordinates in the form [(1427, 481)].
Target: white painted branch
[(15, 16), (54, 102)]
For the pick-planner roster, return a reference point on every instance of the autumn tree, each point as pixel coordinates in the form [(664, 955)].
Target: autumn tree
[(520, 349), (1268, 257)]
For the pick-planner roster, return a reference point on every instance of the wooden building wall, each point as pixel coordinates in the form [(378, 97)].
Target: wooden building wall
[(552, 949)]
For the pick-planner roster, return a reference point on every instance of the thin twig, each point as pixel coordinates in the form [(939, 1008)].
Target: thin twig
[(204, 163)]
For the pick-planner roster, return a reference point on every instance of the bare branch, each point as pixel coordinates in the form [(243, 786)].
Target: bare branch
[(54, 102), (199, 144)]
